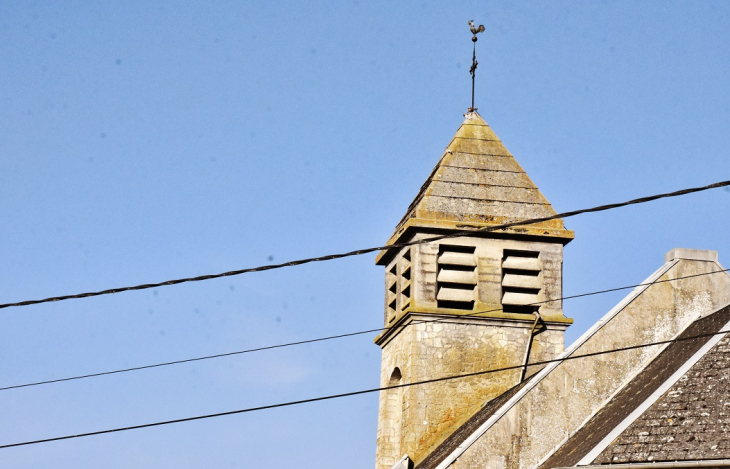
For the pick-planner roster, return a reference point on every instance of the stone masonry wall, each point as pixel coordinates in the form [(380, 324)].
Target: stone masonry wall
[(413, 420), (425, 351)]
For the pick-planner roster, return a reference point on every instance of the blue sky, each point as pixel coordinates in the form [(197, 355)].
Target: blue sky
[(142, 141)]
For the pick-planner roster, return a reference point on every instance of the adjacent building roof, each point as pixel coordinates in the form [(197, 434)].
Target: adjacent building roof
[(689, 421), (478, 183)]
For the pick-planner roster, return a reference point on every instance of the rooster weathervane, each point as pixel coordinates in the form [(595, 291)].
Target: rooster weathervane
[(473, 70)]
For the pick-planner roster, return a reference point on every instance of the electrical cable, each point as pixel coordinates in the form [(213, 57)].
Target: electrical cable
[(338, 336), (369, 250), (356, 393)]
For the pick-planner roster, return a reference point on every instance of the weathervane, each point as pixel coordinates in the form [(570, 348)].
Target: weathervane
[(474, 63)]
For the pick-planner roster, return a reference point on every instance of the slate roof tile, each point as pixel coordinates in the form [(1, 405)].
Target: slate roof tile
[(476, 183)]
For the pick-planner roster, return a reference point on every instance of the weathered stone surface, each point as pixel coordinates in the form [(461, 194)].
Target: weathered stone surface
[(691, 254), (468, 160), (416, 419), (504, 194), (460, 283), (480, 417), (474, 128), (478, 183), (413, 420), (564, 398), (494, 179), (473, 210)]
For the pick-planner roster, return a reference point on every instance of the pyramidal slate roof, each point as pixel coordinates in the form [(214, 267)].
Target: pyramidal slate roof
[(478, 183)]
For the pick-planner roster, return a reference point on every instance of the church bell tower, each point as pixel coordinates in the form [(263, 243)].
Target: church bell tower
[(479, 301)]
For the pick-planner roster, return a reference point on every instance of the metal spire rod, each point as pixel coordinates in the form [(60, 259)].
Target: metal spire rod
[(474, 63)]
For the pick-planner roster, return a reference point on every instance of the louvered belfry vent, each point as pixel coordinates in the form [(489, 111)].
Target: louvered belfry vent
[(391, 292), (521, 281), (405, 280), (398, 286), (457, 277)]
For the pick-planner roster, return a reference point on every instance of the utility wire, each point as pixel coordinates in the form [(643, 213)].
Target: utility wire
[(369, 250), (339, 336), (357, 393)]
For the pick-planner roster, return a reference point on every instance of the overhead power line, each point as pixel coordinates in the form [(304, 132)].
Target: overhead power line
[(356, 393), (358, 252), (338, 336)]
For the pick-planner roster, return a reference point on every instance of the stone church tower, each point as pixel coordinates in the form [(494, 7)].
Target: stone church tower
[(469, 303)]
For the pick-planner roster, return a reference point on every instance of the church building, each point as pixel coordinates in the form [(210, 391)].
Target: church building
[(475, 300)]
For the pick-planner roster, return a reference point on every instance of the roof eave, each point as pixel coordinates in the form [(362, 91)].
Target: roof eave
[(412, 226)]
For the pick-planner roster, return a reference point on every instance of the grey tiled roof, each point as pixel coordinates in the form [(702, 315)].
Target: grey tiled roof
[(690, 421), (477, 182)]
